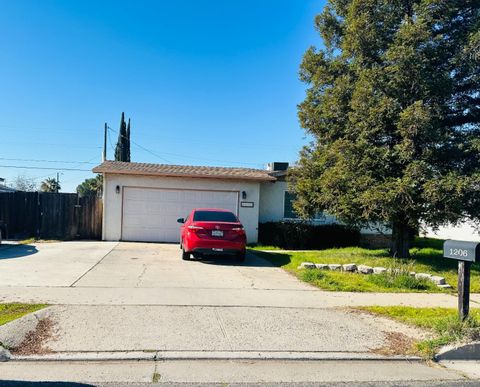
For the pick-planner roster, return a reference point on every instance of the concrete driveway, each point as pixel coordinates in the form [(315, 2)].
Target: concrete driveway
[(130, 297), (132, 265)]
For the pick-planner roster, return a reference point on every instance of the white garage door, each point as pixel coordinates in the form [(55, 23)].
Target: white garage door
[(150, 215)]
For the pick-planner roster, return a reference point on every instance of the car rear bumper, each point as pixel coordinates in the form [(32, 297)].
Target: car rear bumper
[(208, 246)]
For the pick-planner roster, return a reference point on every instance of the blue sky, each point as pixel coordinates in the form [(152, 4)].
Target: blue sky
[(204, 82)]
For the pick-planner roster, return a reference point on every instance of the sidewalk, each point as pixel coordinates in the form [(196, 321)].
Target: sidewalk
[(257, 372), (279, 298)]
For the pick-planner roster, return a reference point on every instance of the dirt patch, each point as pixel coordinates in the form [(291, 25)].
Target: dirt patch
[(34, 341), (396, 343)]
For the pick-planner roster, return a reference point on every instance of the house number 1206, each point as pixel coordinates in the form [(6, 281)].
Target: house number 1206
[(459, 252)]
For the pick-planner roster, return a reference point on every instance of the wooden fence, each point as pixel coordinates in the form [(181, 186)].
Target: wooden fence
[(51, 215)]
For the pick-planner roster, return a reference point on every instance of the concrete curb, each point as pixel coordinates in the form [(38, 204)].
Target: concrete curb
[(207, 355), (470, 351), (13, 333)]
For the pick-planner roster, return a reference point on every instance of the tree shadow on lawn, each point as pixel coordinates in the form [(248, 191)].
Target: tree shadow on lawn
[(276, 259), (16, 251)]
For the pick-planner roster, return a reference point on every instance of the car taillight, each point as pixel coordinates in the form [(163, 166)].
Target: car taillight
[(238, 229), (195, 228)]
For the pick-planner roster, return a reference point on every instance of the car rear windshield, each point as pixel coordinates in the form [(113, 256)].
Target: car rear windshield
[(214, 216)]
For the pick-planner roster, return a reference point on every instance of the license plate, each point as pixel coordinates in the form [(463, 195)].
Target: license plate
[(214, 249), (217, 233)]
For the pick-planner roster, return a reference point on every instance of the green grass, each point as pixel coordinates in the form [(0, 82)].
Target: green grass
[(442, 322), (426, 257), (9, 312)]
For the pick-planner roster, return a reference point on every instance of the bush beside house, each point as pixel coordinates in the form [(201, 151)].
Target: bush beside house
[(298, 235)]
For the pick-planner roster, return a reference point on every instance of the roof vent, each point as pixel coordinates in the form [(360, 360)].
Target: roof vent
[(277, 166)]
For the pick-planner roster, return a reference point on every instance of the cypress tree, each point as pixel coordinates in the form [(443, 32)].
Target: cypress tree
[(120, 149), (127, 142)]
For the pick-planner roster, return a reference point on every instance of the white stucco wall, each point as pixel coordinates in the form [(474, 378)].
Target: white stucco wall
[(271, 201), (464, 232), (272, 196), (112, 216)]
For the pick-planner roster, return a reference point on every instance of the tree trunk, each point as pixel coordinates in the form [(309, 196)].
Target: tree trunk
[(401, 239)]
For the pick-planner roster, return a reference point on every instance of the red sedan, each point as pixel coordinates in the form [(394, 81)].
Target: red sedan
[(208, 231)]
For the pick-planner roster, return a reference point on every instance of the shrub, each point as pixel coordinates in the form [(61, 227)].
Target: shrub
[(301, 235)]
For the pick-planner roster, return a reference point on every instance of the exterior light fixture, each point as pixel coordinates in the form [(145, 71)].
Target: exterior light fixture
[(117, 189), (244, 195)]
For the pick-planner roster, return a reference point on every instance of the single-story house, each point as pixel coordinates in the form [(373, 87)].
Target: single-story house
[(142, 202), (4, 188)]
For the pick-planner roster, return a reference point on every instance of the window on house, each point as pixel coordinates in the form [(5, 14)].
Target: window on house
[(289, 212)]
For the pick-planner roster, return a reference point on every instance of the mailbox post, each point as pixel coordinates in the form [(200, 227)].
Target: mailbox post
[(466, 253)]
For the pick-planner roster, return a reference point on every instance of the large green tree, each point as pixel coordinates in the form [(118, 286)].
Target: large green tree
[(393, 107), (122, 149)]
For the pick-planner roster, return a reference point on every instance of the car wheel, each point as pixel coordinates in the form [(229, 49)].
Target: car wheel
[(241, 257), (185, 255)]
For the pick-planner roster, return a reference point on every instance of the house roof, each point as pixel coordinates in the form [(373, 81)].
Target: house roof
[(166, 170), (4, 188)]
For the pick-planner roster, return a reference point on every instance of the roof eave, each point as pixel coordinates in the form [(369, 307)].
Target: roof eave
[(194, 176)]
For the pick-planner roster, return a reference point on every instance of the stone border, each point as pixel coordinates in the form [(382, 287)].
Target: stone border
[(364, 269)]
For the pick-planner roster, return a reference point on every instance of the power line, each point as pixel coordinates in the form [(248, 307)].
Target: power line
[(142, 147), (48, 161), (51, 144), (187, 157), (45, 168)]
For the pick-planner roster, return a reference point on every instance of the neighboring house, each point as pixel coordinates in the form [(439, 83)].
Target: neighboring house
[(143, 201), (465, 231), (4, 188)]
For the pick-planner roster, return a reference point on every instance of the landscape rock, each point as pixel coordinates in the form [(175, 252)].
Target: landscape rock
[(349, 267), (4, 354), (423, 276), (322, 266), (412, 274), (307, 265), (379, 270), (335, 267), (438, 280), (445, 286), (364, 269)]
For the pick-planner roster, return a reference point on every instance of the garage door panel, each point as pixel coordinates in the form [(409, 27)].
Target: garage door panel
[(151, 214)]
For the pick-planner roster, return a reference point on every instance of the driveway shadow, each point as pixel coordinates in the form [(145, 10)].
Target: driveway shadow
[(16, 251), (251, 260)]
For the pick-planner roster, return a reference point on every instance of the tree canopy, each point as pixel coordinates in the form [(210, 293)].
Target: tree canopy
[(393, 106), (91, 187), (25, 183), (50, 185)]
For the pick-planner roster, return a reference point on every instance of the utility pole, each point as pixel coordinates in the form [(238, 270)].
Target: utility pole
[(58, 182), (104, 155)]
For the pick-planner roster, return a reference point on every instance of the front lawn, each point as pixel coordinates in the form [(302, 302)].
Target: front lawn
[(9, 312), (426, 257), (442, 322)]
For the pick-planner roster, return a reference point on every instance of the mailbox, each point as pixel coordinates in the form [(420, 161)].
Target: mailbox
[(462, 250)]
